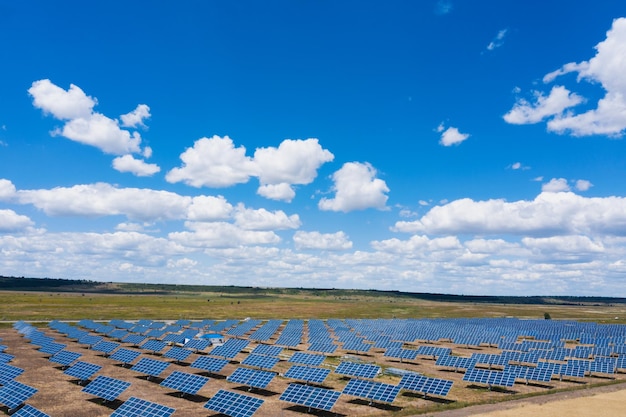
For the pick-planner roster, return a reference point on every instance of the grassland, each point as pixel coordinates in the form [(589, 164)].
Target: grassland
[(45, 306)]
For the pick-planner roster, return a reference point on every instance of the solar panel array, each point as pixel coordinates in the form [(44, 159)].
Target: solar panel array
[(426, 385), (251, 377), (82, 370), (125, 356), (29, 411), (13, 394), (9, 373), (312, 397), (491, 378), (307, 373), (150, 367), (106, 387), (307, 358), (233, 404), (230, 349), (136, 407), (65, 357), (184, 382), (372, 390), (209, 364), (260, 361)]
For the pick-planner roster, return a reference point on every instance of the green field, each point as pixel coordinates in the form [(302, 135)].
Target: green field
[(45, 306)]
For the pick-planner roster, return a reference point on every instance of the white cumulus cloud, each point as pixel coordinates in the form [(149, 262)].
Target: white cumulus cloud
[(555, 185), (138, 167), (559, 99), (11, 222), (451, 136), (321, 241), (262, 219), (356, 188), (136, 117)]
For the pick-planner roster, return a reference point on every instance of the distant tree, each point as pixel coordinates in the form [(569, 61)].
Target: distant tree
[(547, 316)]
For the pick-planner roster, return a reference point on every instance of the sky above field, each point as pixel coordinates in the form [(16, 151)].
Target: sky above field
[(463, 147)]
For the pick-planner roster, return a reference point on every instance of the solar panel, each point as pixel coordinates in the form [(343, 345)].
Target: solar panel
[(426, 385), (105, 347), (184, 382), (197, 344), (307, 373), (124, 355), (400, 353), (251, 377), (209, 364), (9, 373), (150, 367), (65, 357), (136, 407), (312, 359), (261, 361), (178, 353), (29, 411), (456, 362), (5, 357), (89, 339), (268, 350), (154, 345), (324, 347), (230, 349), (52, 348), (13, 394), (372, 390), (233, 404), (491, 378), (313, 397), (134, 339), (361, 370), (82, 370), (106, 387)]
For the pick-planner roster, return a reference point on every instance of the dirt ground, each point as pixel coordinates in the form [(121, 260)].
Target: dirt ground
[(60, 395)]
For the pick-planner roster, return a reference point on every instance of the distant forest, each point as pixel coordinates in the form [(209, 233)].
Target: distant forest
[(72, 285)]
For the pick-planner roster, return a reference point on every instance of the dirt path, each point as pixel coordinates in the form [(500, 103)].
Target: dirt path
[(608, 401)]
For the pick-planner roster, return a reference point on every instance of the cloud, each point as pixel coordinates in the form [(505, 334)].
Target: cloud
[(555, 185), (7, 190), (216, 162), (443, 7), (221, 235), (356, 188), (559, 99), (61, 104), (136, 117), (550, 213), (101, 199), (321, 241), (606, 68), (11, 222), (451, 136), (583, 185), (213, 162), (138, 167), (498, 41), (262, 219), (293, 162), (209, 209), (82, 124)]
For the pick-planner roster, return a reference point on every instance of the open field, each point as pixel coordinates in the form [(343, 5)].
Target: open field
[(42, 307)]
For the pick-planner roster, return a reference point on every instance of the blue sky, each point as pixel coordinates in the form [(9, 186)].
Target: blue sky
[(465, 147)]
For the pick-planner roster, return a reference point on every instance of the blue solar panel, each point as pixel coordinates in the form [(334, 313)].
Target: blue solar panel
[(125, 356), (230, 349), (491, 378), (456, 362), (150, 367), (260, 361), (426, 385), (197, 344), (52, 348), (105, 346), (307, 373), (106, 387), (89, 339), (372, 390), (233, 404), (178, 353), (251, 377), (82, 370), (134, 339), (5, 357), (13, 394), (184, 382), (209, 364), (9, 373), (312, 359), (313, 397), (65, 357), (268, 350), (361, 370), (136, 407), (323, 347), (400, 353), (154, 345), (29, 411)]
